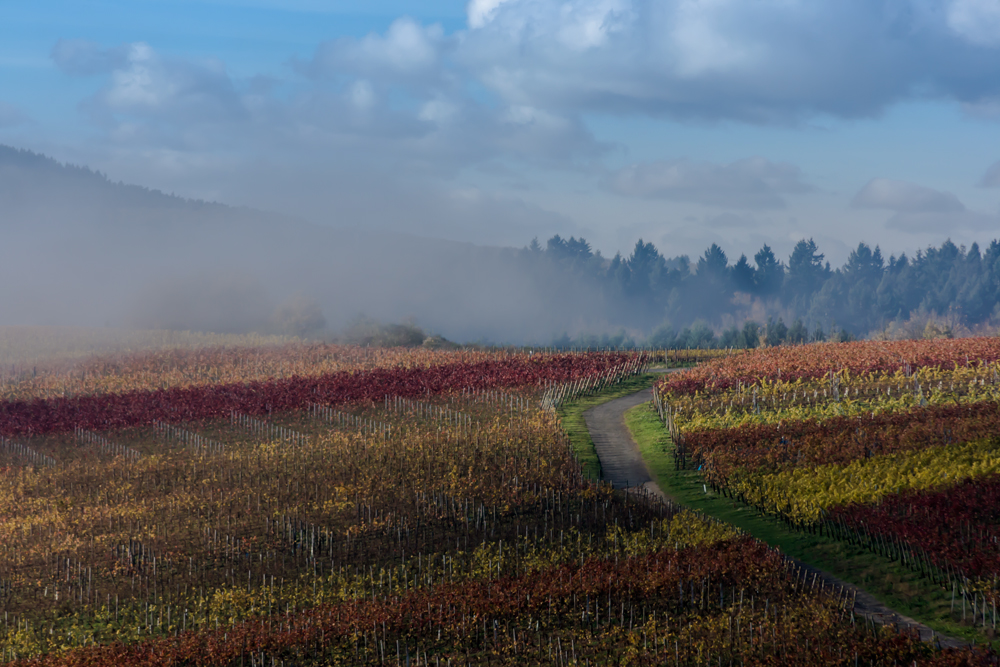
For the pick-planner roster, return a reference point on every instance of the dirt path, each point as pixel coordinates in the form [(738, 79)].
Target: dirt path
[(621, 462), (623, 466)]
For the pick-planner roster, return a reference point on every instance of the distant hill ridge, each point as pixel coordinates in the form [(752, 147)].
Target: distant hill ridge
[(14, 160), (79, 249)]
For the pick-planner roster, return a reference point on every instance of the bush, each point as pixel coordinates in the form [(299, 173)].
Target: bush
[(366, 331)]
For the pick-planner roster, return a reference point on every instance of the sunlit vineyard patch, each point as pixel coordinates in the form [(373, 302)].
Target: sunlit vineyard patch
[(812, 362), (893, 446)]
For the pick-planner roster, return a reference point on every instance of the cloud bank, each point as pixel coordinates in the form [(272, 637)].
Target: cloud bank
[(407, 127), (920, 209), (752, 183), (905, 197), (769, 61), (518, 78)]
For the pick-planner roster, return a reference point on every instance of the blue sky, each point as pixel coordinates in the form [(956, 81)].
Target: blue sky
[(685, 122)]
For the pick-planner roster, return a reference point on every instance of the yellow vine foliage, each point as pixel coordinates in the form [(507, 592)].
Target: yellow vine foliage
[(228, 605), (778, 401), (803, 494)]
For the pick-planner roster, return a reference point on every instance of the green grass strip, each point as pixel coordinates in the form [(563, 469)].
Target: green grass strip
[(571, 416), (889, 582)]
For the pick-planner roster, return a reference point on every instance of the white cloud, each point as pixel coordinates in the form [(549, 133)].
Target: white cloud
[(589, 25), (438, 111), (905, 197), (574, 25), (519, 85), (751, 183), (406, 46), (766, 61), (526, 115), (147, 98), (480, 12), (703, 45), (520, 80), (406, 49), (368, 111), (136, 83), (977, 21)]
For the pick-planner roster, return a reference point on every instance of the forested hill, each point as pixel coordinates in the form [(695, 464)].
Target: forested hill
[(714, 300)]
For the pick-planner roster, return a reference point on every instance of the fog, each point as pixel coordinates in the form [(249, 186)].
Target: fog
[(395, 161), (80, 250)]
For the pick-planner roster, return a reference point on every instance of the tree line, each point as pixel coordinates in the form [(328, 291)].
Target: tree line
[(713, 302)]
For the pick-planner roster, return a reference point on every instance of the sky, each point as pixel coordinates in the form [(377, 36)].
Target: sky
[(682, 122)]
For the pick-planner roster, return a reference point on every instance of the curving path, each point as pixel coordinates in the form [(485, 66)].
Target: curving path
[(621, 463), (623, 466)]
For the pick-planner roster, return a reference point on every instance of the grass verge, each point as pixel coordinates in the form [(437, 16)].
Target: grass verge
[(895, 586), (571, 416)]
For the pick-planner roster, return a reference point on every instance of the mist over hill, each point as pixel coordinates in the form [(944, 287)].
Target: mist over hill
[(78, 249)]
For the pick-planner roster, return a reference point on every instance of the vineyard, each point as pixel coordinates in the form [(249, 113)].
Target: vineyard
[(335, 506), (892, 447)]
